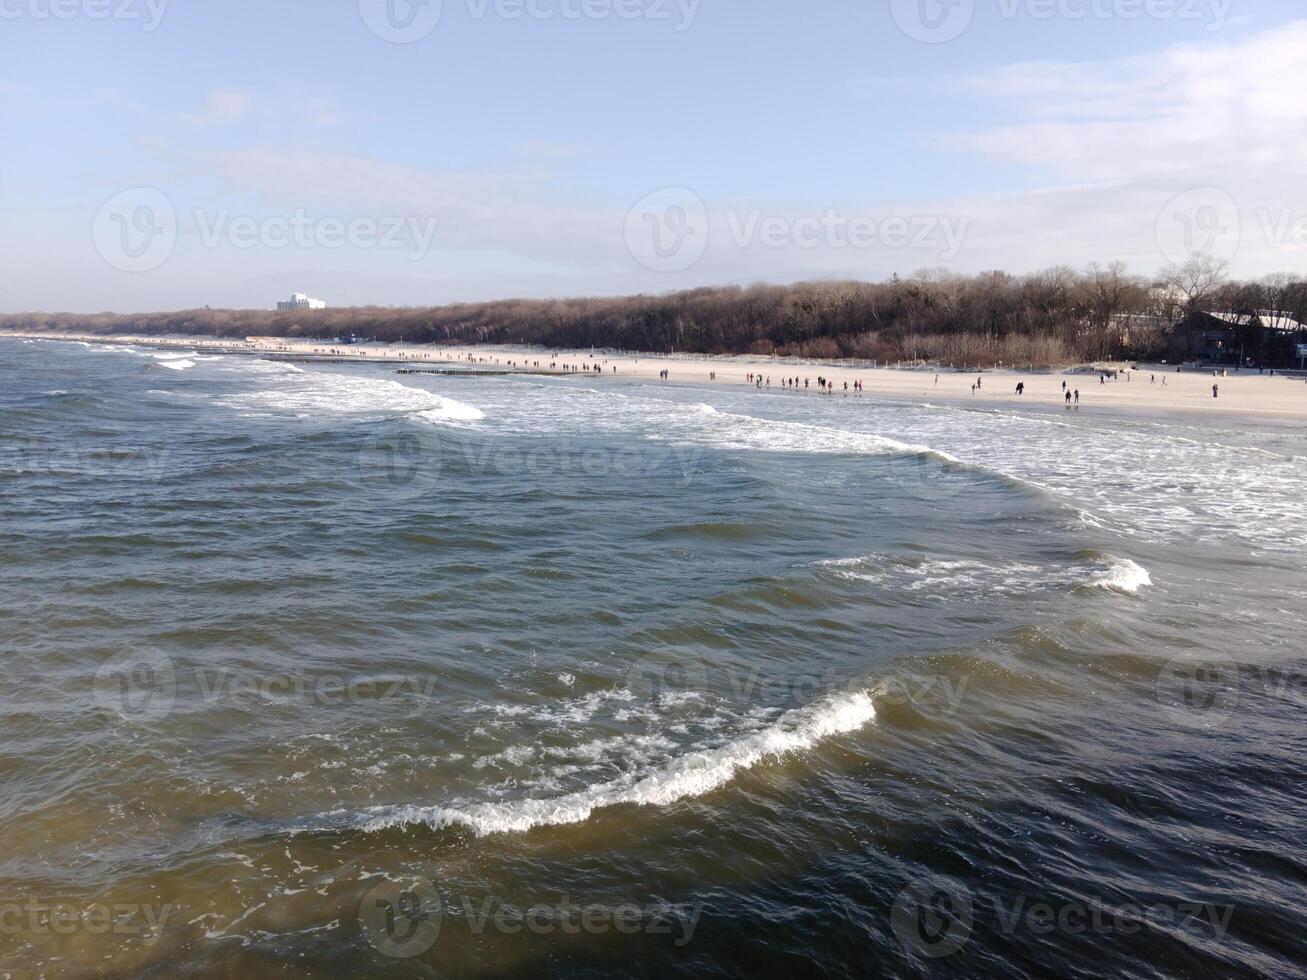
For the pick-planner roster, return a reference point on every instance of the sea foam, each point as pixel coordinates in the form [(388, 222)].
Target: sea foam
[(1124, 575), (312, 394), (945, 579), (690, 775)]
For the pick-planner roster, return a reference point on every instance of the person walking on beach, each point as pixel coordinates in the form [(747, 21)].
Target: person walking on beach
[(1068, 395), (1216, 391), (1077, 396), (1021, 388)]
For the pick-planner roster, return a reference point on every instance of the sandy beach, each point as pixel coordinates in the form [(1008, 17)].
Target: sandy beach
[(1136, 389)]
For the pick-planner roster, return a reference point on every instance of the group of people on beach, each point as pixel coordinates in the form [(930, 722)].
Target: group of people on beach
[(824, 385)]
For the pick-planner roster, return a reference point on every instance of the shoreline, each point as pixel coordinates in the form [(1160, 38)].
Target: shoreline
[(1187, 394)]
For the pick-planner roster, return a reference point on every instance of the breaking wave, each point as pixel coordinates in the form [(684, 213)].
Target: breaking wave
[(690, 775), (945, 579)]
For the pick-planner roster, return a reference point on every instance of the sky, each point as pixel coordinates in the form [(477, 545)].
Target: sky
[(172, 154)]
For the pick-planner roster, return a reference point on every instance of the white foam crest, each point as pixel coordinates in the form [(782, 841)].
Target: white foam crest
[(450, 410), (177, 364), (690, 775), (945, 579), (1123, 576), (732, 431), (309, 394)]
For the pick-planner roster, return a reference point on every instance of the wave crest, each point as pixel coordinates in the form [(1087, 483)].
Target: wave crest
[(690, 775)]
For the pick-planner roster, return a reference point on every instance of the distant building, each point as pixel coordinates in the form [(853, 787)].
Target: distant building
[(1261, 337), (299, 301)]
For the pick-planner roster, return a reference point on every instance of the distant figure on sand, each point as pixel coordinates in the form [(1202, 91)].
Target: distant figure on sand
[(1021, 388), (1068, 395), (1077, 396), (1216, 391)]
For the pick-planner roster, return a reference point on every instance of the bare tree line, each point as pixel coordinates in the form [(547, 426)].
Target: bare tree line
[(1055, 316)]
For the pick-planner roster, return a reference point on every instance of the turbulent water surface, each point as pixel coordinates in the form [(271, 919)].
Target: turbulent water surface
[(317, 670)]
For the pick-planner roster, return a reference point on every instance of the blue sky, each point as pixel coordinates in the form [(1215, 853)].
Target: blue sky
[(512, 148)]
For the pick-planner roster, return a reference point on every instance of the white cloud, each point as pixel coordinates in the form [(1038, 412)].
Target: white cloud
[(222, 106), (1222, 110)]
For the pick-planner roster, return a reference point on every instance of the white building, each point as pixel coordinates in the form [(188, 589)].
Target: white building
[(299, 301)]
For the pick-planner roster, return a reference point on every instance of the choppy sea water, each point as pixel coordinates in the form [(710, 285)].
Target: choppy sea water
[(318, 670)]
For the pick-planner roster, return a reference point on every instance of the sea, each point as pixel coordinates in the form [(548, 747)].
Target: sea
[(323, 670)]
